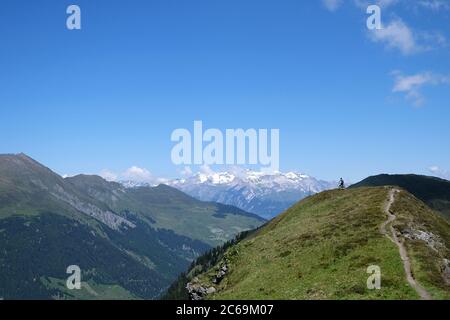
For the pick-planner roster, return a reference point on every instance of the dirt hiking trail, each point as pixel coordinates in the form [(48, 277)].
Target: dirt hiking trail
[(392, 235)]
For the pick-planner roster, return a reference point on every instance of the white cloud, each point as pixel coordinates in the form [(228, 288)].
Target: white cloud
[(437, 171), (411, 85), (363, 4), (108, 175), (386, 3), (435, 5), (206, 169), (134, 173), (158, 181), (396, 35), (431, 40), (137, 174), (332, 5), (186, 172)]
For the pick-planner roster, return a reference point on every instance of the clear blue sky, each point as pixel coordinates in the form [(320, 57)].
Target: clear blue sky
[(108, 96)]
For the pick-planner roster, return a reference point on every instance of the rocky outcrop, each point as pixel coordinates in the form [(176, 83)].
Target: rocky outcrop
[(198, 291), (431, 240), (107, 217), (221, 273), (435, 243)]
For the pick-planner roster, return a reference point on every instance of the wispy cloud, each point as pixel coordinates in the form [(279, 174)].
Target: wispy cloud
[(411, 85), (399, 36), (206, 169), (137, 174), (108, 175), (134, 173), (332, 5), (363, 4), (434, 5), (186, 172), (396, 35), (431, 40), (439, 172)]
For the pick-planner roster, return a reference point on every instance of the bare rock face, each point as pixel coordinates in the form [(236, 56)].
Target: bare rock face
[(197, 291), (109, 218), (433, 241), (221, 273)]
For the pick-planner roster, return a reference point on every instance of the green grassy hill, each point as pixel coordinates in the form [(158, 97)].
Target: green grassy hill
[(129, 243), (435, 192), (321, 249)]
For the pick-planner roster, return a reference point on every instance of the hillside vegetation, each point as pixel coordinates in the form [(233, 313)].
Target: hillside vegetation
[(129, 243), (435, 192), (321, 249), (165, 207)]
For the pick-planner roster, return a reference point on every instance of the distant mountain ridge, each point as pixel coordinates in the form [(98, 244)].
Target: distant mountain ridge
[(265, 194), (129, 243)]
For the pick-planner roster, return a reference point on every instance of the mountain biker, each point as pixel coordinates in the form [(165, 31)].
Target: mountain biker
[(341, 184)]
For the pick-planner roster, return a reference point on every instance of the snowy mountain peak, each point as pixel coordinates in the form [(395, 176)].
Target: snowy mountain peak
[(244, 176), (216, 178), (129, 184), (263, 193)]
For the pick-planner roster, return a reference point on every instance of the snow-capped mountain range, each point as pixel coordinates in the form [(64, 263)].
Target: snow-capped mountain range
[(266, 194)]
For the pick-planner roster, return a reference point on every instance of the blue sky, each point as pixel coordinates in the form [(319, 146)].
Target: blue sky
[(348, 101)]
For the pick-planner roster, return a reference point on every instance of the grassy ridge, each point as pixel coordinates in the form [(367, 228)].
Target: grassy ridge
[(321, 248), (435, 192)]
